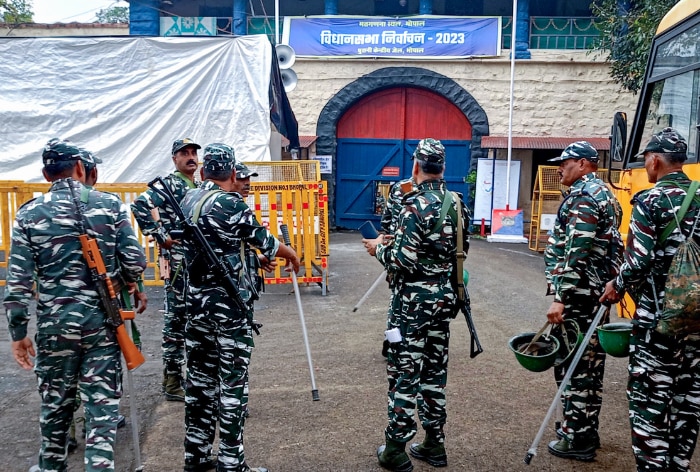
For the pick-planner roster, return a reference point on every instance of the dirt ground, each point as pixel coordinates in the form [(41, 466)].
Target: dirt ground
[(495, 407)]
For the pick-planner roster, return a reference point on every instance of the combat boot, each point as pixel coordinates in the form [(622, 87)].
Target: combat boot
[(392, 456), (209, 464), (173, 388), (431, 450), (594, 438), (580, 450)]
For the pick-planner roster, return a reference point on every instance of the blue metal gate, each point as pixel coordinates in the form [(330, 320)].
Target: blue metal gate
[(363, 162)]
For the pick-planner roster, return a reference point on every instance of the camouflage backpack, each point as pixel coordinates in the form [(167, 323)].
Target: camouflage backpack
[(680, 314)]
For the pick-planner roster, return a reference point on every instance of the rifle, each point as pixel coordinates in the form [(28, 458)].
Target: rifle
[(475, 347), (105, 289), (458, 277), (221, 266)]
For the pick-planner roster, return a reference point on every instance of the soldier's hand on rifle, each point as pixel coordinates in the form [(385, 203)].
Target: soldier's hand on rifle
[(22, 350), (170, 242)]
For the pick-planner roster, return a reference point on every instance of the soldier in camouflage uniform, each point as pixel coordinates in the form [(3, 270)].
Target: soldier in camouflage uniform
[(218, 335), (254, 261), (390, 218), (421, 256), (75, 350), (582, 254), (184, 152), (663, 387)]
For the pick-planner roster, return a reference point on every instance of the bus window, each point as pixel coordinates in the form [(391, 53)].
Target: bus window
[(674, 102)]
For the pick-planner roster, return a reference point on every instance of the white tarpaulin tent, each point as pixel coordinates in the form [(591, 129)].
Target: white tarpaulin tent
[(127, 99)]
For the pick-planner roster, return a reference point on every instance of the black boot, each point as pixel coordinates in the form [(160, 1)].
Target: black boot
[(431, 450), (593, 437), (209, 464), (580, 450), (392, 456)]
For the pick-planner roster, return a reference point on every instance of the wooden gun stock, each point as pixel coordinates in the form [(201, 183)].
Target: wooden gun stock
[(115, 315)]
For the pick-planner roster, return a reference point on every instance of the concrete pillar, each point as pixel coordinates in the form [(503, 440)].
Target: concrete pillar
[(331, 7), (522, 38), (144, 18), (425, 7), (240, 18)]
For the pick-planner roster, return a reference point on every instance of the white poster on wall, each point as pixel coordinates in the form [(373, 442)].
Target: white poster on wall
[(490, 192)]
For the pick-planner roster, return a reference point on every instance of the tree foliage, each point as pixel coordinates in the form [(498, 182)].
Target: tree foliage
[(16, 11), (113, 15), (627, 28)]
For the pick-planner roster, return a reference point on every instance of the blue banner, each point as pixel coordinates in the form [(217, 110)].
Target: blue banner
[(408, 37)]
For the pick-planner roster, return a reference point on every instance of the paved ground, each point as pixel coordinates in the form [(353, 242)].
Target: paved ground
[(495, 407)]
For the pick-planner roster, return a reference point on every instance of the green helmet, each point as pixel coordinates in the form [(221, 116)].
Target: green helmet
[(60, 150), (578, 150), (430, 150), (668, 140), (219, 157)]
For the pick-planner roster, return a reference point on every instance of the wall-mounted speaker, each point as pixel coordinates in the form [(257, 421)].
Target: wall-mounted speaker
[(285, 56), (289, 79)]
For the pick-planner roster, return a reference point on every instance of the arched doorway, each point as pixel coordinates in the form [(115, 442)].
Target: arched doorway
[(376, 139), (444, 97)]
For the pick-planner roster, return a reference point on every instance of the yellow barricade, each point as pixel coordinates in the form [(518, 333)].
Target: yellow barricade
[(546, 197), (300, 202)]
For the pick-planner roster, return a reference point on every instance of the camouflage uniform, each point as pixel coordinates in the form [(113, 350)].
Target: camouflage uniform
[(390, 215), (218, 335), (579, 259), (664, 373), (75, 349), (254, 267), (423, 304), (175, 312), (389, 222)]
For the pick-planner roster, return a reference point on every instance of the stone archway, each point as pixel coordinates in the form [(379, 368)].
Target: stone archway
[(389, 77)]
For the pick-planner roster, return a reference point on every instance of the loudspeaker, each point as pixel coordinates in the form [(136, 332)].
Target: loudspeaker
[(289, 79), (285, 56)]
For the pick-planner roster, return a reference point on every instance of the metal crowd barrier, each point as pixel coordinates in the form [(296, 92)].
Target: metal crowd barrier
[(296, 197)]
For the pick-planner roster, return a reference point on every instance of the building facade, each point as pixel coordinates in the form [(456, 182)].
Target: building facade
[(364, 115)]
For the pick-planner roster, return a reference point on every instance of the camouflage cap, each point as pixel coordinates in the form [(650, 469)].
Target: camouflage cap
[(430, 150), (578, 150), (668, 140), (89, 158), (219, 157), (183, 143), (243, 172), (60, 150)]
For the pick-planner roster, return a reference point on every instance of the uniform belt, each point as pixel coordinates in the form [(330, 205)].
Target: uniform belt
[(417, 277)]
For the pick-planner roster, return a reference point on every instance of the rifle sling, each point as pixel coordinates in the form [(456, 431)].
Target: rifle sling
[(447, 206), (681, 211), (196, 215)]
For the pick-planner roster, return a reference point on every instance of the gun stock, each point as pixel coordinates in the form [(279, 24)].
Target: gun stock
[(475, 347), (115, 315)]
